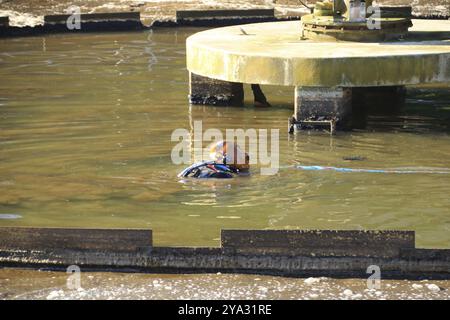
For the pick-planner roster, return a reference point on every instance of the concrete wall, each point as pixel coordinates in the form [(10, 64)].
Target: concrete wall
[(296, 253), (74, 239)]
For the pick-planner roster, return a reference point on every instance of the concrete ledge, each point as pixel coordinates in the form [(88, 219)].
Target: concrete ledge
[(425, 254), (208, 91), (396, 11), (96, 22), (74, 239), (94, 17), (319, 243), (127, 21), (427, 30), (206, 18), (297, 253), (117, 21), (4, 22), (220, 14)]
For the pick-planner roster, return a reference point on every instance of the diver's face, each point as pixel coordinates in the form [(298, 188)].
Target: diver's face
[(231, 155), (244, 167)]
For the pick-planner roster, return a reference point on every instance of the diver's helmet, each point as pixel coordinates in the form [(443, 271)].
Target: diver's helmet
[(229, 154)]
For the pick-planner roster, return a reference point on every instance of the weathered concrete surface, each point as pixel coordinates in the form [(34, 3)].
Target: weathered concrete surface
[(95, 22), (94, 17), (326, 243), (206, 18), (424, 8), (74, 239), (317, 107), (272, 53), (203, 90), (207, 91), (4, 22), (316, 103), (404, 11), (212, 260), (425, 30), (281, 252), (327, 28)]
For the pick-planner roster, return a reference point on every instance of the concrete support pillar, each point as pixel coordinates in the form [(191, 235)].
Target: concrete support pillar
[(315, 106), (203, 90), (343, 107)]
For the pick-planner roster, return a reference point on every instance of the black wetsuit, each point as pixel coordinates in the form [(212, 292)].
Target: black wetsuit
[(209, 169)]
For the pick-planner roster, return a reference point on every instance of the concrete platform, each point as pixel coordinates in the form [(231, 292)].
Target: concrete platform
[(326, 73), (273, 53)]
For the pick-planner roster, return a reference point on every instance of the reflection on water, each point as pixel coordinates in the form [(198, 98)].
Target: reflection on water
[(86, 122)]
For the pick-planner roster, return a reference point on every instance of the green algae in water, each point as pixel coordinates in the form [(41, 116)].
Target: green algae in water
[(85, 142)]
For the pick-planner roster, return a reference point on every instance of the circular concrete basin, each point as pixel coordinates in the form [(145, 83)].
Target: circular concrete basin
[(273, 53)]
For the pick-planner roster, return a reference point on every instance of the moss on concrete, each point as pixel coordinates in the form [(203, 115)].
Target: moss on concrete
[(273, 53)]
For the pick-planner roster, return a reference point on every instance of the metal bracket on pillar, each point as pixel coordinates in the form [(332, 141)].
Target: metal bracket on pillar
[(294, 125)]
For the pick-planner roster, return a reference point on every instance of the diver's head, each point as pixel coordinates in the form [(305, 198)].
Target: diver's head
[(229, 153)]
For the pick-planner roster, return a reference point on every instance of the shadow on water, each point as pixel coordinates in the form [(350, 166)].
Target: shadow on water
[(417, 110), (423, 111)]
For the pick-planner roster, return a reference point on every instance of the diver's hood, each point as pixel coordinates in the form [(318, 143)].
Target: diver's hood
[(230, 154)]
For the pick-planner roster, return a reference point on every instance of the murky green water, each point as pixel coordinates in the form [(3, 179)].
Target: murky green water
[(86, 122)]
